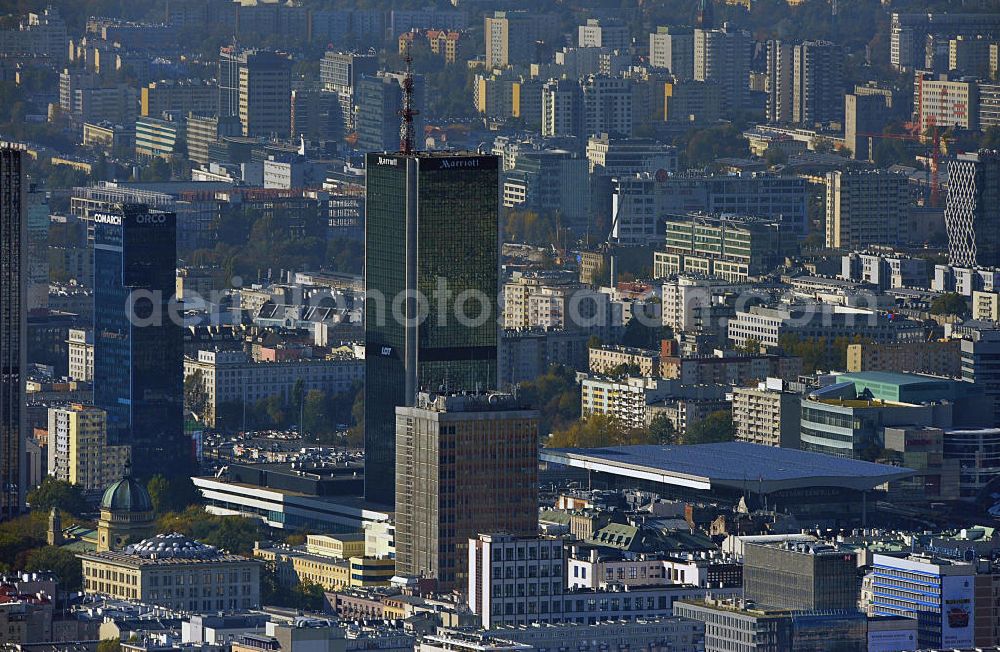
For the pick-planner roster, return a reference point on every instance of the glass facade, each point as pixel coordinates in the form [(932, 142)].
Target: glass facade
[(138, 348), (430, 219), (12, 333)]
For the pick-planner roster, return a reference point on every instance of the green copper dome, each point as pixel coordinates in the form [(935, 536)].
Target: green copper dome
[(127, 495)]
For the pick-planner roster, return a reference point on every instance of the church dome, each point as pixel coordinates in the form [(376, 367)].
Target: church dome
[(127, 495)]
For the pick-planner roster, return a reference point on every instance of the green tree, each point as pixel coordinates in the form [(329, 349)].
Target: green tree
[(195, 396), (316, 414), (171, 494), (64, 563), (775, 156), (58, 493), (661, 430), (556, 395), (716, 427), (110, 645), (949, 303)]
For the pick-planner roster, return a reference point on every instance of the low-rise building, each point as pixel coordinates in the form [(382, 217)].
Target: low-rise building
[(936, 358), (175, 572), (234, 377), (294, 565), (641, 362), (733, 248)]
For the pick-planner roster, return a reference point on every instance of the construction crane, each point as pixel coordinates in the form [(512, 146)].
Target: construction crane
[(936, 141)]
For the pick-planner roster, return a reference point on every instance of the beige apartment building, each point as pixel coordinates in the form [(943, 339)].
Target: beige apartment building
[(78, 450), (937, 358), (767, 414)]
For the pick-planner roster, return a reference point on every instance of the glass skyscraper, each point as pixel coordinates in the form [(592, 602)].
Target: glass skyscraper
[(431, 223), (138, 348), (13, 328)]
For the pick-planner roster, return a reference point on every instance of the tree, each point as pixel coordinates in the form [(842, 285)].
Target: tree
[(110, 645), (60, 494), (949, 303), (64, 563), (661, 430), (315, 413), (715, 427), (195, 396), (775, 156), (556, 395), (171, 495)]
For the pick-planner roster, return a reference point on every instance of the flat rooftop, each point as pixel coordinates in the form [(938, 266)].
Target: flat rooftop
[(729, 465)]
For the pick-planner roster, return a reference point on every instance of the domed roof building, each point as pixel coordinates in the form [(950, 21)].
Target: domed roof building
[(175, 572), (126, 514)]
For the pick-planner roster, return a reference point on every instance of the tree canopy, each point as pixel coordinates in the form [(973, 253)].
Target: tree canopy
[(60, 494)]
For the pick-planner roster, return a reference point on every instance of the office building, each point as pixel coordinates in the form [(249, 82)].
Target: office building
[(202, 132), (333, 562), (155, 137), (938, 593), (465, 464), (455, 240), (234, 378), (972, 212), (976, 451), (313, 497), (980, 356), (733, 248), (884, 268), (865, 117), (151, 571), (179, 97), (673, 48), (316, 115), (254, 85), (940, 102), (606, 106), (767, 325), (637, 220), (78, 448), (865, 208), (519, 581), (767, 414), (848, 417), (550, 182), (13, 332), (800, 577), (138, 348), (741, 625), (379, 99), (722, 56), (935, 358), (616, 157)]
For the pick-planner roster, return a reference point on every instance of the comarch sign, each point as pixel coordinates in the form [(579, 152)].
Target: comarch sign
[(108, 218)]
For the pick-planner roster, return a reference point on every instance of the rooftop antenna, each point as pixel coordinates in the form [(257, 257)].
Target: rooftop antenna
[(406, 135)]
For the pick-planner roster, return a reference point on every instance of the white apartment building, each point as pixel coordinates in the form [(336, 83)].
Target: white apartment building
[(233, 377), (81, 354), (623, 399), (767, 325), (78, 450), (767, 414)]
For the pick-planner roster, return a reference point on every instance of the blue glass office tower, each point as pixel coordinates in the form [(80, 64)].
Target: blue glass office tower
[(138, 348)]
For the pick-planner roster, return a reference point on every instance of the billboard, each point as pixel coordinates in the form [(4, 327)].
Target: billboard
[(957, 610)]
